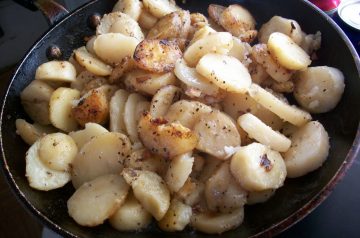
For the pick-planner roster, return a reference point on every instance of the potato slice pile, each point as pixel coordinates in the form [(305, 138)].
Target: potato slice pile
[(174, 118)]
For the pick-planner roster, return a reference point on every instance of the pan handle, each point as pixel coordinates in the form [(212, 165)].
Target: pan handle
[(53, 11)]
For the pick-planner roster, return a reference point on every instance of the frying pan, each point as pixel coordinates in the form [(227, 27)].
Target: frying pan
[(292, 202)]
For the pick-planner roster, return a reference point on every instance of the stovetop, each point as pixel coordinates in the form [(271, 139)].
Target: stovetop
[(338, 216)]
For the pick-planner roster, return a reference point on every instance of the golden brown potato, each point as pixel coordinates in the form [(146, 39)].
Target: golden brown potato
[(92, 107), (173, 25), (127, 64), (157, 56)]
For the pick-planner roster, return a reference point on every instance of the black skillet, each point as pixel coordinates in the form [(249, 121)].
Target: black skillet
[(292, 202)]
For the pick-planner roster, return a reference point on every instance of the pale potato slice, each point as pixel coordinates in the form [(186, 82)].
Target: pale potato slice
[(79, 68), (97, 200), (211, 165), (197, 21), (35, 100), (287, 52), (218, 223), (263, 133), (146, 20), (150, 190), (165, 139), (201, 33), (163, 99), (117, 109), (309, 149), (259, 197), (257, 72), (133, 8), (241, 51), (287, 26), (91, 130), (192, 192), (261, 55), (159, 8), (60, 107), (216, 130), (226, 72), (31, 132), (179, 170), (84, 78), (319, 89), (91, 62), (177, 217), (148, 83), (279, 87), (191, 78), (142, 159), (222, 192), (285, 111), (218, 42), (157, 56), (118, 22), (129, 116), (187, 113), (131, 216), (104, 154), (39, 175), (256, 167), (114, 47), (90, 45), (57, 151), (57, 71)]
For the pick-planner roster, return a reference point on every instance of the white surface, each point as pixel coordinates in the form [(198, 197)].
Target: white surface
[(349, 12)]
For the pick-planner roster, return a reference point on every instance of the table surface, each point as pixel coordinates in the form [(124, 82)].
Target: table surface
[(337, 216)]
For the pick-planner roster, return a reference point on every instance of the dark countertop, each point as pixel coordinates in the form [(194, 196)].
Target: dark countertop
[(337, 216)]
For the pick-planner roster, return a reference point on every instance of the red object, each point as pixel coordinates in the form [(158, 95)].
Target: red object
[(326, 5)]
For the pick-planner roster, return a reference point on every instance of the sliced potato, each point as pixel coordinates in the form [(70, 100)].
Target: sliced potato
[(117, 109), (35, 100), (256, 167), (159, 8), (129, 116), (104, 154), (142, 159), (187, 113), (148, 83), (129, 7), (177, 217), (84, 79), (309, 149), (280, 24), (311, 42), (215, 12), (131, 216), (263, 133), (224, 71), (210, 167), (171, 26), (57, 151), (217, 223), (146, 20), (114, 47), (90, 45), (179, 170), (259, 197), (91, 63), (191, 193), (81, 137), (285, 111), (216, 131), (241, 51), (163, 99), (319, 89), (150, 190), (39, 175), (31, 132), (191, 78), (279, 87), (201, 33), (287, 52), (126, 65), (96, 83), (60, 107), (92, 107), (222, 192), (97, 200), (257, 72), (118, 22), (218, 42), (79, 68), (165, 139), (62, 71), (157, 56)]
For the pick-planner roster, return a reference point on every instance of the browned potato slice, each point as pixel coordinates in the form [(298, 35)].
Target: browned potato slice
[(215, 12), (92, 107), (157, 56), (163, 99), (222, 192), (173, 25), (177, 217), (97, 200), (144, 160), (84, 79), (165, 139), (150, 190), (104, 154), (127, 64), (216, 131)]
